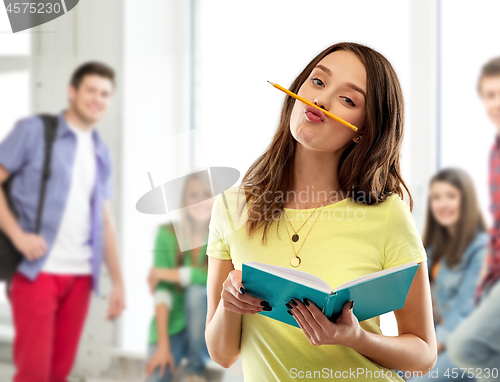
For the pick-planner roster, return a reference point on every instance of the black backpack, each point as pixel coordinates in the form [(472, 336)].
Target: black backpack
[(10, 257)]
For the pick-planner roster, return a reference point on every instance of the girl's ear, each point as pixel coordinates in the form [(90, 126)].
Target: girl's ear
[(357, 138)]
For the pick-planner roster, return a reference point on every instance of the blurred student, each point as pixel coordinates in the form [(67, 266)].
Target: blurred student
[(476, 342), (178, 281), (51, 289), (455, 238)]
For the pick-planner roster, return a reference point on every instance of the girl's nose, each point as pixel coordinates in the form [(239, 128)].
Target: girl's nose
[(318, 103)]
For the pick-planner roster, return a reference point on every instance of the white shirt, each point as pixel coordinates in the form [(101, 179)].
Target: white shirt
[(71, 252)]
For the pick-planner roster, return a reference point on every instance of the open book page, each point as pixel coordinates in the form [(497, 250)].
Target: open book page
[(374, 275), (295, 275)]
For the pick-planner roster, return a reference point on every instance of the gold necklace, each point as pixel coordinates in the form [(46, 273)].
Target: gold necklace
[(295, 236), (295, 261)]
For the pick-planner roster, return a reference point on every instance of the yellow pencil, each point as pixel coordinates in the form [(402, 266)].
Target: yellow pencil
[(351, 126)]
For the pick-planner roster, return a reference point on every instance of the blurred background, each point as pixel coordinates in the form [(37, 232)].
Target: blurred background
[(192, 92)]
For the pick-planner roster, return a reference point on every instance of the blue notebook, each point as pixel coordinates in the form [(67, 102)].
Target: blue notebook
[(374, 294)]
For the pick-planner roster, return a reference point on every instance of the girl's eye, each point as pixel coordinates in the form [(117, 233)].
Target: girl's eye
[(349, 101), (317, 79)]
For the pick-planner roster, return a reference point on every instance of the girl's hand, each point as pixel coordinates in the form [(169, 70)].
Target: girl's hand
[(235, 298), (161, 274), (162, 359), (153, 279), (319, 330)]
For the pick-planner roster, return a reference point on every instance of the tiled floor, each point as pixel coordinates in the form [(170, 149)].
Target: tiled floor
[(6, 372), (217, 373), (233, 374)]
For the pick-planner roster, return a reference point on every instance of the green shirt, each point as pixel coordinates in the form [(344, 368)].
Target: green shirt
[(164, 257)]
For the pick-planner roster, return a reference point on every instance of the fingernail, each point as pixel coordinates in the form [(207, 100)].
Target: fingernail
[(268, 308), (289, 312), (305, 301), (264, 303), (352, 305), (288, 306), (242, 290), (293, 302)]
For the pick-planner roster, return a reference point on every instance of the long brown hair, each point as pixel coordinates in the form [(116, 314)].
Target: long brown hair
[(469, 224), (184, 229), (370, 167)]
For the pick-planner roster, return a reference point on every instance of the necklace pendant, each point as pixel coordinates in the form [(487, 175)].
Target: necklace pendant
[(295, 262), (295, 238)]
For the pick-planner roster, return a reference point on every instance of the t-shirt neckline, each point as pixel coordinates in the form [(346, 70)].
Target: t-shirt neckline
[(294, 210), (80, 132)]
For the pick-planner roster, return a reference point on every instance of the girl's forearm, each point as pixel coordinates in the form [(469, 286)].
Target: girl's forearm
[(170, 275), (405, 352), (161, 312), (223, 336)]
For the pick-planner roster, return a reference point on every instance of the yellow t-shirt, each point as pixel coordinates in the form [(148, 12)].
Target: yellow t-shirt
[(348, 240)]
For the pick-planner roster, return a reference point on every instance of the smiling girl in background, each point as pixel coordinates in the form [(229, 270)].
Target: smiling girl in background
[(456, 239), (353, 222)]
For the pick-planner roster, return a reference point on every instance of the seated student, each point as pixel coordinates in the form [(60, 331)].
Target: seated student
[(455, 238), (178, 281)]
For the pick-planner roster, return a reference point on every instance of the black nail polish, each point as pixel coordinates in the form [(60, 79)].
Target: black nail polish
[(293, 302), (267, 308), (289, 306), (352, 305), (242, 290), (305, 301), (264, 303), (289, 312)]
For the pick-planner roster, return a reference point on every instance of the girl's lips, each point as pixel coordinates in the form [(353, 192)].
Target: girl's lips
[(314, 115), (446, 215)]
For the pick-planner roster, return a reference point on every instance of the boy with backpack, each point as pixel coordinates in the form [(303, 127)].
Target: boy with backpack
[(61, 255)]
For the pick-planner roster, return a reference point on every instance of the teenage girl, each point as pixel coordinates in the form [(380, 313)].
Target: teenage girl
[(326, 200)]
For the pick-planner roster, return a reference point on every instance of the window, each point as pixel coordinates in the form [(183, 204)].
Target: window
[(466, 131), (14, 91), (243, 49)]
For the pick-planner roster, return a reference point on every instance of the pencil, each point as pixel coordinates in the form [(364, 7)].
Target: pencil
[(327, 113)]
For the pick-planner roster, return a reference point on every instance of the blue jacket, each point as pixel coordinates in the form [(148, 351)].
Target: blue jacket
[(455, 288)]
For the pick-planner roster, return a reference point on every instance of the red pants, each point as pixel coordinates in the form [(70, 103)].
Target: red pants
[(48, 314)]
